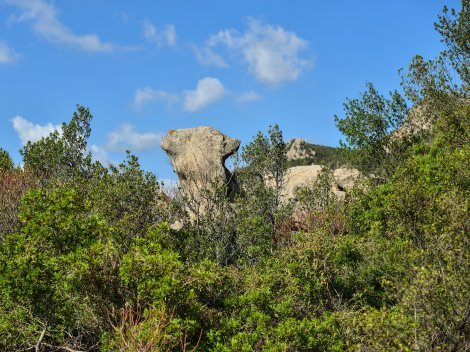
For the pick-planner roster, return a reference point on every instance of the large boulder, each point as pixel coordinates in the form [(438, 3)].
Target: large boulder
[(346, 178), (299, 177), (198, 157)]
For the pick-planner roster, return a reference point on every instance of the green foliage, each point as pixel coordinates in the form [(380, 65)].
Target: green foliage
[(212, 234), (13, 185), (62, 154), (368, 125), (324, 155), (319, 195), (254, 239), (290, 334), (455, 31), (41, 265), (242, 231), (150, 270), (380, 330), (127, 197), (154, 329), (266, 161), (89, 262), (5, 161), (442, 84), (422, 208)]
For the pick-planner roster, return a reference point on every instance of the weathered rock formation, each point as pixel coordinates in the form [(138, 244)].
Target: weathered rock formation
[(299, 177), (345, 178), (417, 122), (198, 157), (297, 149)]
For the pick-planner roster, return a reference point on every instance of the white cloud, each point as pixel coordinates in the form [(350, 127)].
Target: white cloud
[(147, 95), (126, 137), (119, 140), (7, 54), (271, 53), (208, 57), (208, 91), (45, 23), (160, 37), (248, 97), (28, 131)]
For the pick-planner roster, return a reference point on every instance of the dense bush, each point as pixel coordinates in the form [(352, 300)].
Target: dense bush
[(5, 161), (89, 261)]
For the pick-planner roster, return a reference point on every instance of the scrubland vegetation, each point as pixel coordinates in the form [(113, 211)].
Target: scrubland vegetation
[(88, 260)]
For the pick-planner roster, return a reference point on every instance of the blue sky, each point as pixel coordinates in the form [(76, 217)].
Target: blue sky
[(145, 67)]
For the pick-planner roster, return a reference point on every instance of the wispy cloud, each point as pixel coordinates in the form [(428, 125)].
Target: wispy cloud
[(44, 19), (208, 57), (7, 54), (208, 91), (248, 97), (126, 137), (272, 54), (147, 95), (165, 36), (29, 131)]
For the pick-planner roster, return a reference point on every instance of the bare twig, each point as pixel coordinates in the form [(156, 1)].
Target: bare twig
[(37, 348)]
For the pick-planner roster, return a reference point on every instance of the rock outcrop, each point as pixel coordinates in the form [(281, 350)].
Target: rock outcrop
[(345, 178), (198, 157), (299, 177), (415, 123), (297, 149)]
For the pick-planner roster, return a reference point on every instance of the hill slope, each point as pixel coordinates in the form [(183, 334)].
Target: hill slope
[(301, 152)]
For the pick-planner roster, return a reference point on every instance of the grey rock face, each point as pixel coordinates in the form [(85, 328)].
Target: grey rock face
[(198, 157)]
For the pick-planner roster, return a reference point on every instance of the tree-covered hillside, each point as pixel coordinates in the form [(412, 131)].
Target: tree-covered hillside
[(91, 259), (324, 155)]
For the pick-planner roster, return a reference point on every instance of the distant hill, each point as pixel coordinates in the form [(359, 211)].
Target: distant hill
[(300, 152)]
